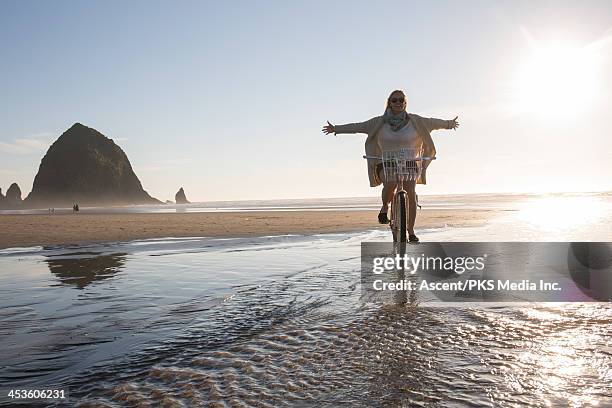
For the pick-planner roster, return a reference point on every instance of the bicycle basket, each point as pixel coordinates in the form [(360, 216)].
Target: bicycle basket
[(405, 163)]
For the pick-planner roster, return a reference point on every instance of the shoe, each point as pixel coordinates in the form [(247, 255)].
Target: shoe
[(382, 218), (413, 238)]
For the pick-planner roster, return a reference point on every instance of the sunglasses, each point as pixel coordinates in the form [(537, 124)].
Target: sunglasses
[(395, 100)]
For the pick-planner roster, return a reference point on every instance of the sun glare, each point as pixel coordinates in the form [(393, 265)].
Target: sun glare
[(561, 212), (557, 81)]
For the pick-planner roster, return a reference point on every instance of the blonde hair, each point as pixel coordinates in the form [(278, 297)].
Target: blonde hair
[(391, 94)]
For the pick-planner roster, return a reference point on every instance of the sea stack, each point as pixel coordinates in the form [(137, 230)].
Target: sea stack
[(83, 166), (13, 197), (180, 197)]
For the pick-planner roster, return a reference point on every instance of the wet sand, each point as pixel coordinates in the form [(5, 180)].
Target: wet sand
[(281, 321), (80, 228)]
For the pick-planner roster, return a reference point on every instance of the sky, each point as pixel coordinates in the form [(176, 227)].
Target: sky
[(227, 99)]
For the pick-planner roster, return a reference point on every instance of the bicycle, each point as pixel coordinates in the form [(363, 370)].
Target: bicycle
[(404, 164)]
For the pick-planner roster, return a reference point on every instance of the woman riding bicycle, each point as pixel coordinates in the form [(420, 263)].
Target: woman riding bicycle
[(396, 129)]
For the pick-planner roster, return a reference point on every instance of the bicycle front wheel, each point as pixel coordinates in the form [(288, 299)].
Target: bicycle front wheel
[(401, 216)]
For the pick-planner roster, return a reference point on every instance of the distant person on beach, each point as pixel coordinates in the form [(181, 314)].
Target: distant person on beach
[(396, 129)]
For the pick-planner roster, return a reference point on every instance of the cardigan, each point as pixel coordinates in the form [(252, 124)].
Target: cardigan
[(424, 127)]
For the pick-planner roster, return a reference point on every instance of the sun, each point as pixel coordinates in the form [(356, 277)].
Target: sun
[(557, 81)]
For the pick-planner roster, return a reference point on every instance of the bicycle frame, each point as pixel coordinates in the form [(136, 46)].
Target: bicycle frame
[(404, 164)]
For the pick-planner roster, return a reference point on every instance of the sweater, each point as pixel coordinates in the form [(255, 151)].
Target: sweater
[(424, 127)]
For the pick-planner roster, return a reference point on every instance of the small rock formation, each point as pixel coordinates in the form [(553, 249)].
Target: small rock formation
[(180, 197), (169, 202), (13, 196), (84, 166), (1, 195)]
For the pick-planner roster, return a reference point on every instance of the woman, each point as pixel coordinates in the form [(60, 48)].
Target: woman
[(396, 129)]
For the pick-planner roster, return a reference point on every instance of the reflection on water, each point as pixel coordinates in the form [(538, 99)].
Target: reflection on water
[(279, 321), (82, 268)]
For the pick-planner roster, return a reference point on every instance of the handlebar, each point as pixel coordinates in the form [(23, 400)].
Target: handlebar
[(415, 159)]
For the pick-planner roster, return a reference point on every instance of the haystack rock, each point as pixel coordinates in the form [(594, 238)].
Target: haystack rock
[(180, 197), (13, 196), (83, 166)]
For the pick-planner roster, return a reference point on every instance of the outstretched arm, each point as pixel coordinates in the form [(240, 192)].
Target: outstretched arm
[(434, 124), (360, 127)]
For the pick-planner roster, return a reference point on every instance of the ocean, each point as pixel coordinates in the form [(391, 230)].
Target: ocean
[(460, 201)]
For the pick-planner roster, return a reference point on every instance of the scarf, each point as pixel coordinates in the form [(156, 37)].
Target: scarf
[(395, 121)]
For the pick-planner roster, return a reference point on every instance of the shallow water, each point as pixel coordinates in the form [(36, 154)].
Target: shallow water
[(276, 321)]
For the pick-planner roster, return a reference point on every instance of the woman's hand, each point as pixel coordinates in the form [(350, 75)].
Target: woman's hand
[(454, 124), (329, 128)]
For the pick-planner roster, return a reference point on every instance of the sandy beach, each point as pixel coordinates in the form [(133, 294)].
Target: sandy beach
[(57, 229)]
